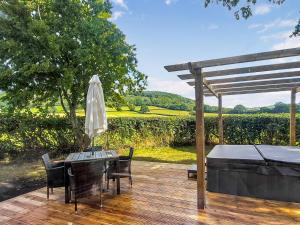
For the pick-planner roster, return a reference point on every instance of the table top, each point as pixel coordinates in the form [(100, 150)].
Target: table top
[(86, 156)]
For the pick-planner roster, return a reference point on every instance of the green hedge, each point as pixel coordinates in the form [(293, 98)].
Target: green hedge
[(33, 134)]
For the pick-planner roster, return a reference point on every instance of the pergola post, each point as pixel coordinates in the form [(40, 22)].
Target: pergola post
[(220, 119), (293, 117), (200, 145)]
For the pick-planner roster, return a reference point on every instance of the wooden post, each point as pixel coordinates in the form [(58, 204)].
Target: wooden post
[(200, 140), (293, 117), (220, 119)]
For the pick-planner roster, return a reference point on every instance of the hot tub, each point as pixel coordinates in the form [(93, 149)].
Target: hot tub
[(262, 171)]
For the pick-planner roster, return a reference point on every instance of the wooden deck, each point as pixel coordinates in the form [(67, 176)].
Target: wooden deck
[(161, 194)]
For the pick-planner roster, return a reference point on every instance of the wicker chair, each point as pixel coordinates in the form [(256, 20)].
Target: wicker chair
[(85, 178), (55, 173), (124, 168)]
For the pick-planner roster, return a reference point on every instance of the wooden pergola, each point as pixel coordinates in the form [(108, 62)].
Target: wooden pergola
[(241, 81)]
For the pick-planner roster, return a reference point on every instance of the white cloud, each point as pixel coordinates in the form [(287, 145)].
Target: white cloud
[(121, 3), (169, 2), (276, 36), (255, 25), (282, 40), (213, 27), (278, 23), (116, 15), (287, 42), (262, 9)]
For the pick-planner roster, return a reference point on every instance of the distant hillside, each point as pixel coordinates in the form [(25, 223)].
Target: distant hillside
[(177, 102), (161, 99), (166, 100)]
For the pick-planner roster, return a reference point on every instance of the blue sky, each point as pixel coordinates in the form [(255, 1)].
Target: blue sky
[(175, 31)]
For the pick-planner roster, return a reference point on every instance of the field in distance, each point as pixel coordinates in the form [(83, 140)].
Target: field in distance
[(125, 112)]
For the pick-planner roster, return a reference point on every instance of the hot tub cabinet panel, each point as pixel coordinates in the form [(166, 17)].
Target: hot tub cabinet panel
[(243, 170)]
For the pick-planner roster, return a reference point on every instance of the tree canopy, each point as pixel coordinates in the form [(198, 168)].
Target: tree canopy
[(243, 9), (49, 49), (239, 109)]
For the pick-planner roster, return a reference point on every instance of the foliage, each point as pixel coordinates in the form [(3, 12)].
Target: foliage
[(24, 134), (265, 110), (281, 108), (144, 109), (167, 101), (245, 10), (177, 102), (239, 109), (161, 99), (50, 49), (131, 107)]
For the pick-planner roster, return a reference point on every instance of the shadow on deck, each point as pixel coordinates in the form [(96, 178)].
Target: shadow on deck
[(161, 194)]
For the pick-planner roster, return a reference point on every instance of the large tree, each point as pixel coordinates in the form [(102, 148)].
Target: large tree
[(242, 9), (49, 49)]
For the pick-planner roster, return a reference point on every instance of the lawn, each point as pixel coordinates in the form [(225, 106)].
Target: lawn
[(125, 112), (18, 177), (181, 155)]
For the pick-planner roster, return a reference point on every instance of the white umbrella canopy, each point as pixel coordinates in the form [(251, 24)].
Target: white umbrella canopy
[(95, 120)]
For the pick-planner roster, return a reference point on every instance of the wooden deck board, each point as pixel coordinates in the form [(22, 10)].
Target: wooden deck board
[(161, 194)]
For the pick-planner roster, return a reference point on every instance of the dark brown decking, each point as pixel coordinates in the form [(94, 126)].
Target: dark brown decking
[(161, 194)]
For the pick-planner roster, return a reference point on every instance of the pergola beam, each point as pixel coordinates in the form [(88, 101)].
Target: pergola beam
[(252, 91), (204, 82), (255, 77), (252, 84), (236, 59), (244, 70), (262, 87), (258, 83), (253, 69)]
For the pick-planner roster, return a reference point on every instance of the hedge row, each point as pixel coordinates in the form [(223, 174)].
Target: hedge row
[(27, 134)]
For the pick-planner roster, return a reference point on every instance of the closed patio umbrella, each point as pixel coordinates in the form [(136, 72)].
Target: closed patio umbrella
[(95, 120)]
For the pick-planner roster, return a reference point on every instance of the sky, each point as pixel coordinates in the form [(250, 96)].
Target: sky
[(176, 31)]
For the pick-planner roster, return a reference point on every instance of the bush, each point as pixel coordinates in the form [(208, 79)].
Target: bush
[(131, 107), (144, 109), (25, 134)]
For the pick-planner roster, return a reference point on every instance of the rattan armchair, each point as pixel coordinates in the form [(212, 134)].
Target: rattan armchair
[(55, 173), (85, 178), (124, 168)]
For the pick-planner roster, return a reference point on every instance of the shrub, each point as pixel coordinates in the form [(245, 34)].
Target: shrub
[(131, 107), (21, 134), (144, 109)]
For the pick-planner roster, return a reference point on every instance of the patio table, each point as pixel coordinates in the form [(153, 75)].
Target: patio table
[(108, 155)]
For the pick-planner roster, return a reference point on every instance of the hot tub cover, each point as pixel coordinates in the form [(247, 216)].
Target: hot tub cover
[(235, 154), (262, 171), (281, 154)]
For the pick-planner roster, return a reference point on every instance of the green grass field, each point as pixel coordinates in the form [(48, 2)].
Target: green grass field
[(125, 112), (181, 155)]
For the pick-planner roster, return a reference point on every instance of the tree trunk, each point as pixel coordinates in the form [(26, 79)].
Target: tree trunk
[(81, 140)]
